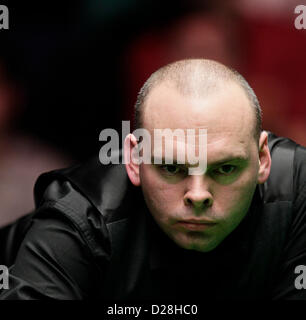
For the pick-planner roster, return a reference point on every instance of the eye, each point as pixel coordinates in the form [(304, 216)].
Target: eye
[(171, 169), (226, 169)]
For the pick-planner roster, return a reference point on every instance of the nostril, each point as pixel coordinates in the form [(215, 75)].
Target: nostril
[(189, 202), (206, 202)]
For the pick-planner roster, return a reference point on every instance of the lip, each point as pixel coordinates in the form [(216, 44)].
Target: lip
[(196, 225)]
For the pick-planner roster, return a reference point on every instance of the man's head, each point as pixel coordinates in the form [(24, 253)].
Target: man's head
[(197, 77), (199, 211)]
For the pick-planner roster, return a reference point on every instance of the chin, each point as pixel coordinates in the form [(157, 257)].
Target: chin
[(200, 246), (204, 248)]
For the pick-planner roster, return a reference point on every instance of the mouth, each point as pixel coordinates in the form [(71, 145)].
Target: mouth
[(196, 225)]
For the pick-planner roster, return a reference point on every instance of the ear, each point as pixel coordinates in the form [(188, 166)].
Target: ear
[(131, 165), (264, 158)]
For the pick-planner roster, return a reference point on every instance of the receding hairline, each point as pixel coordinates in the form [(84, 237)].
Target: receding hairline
[(196, 77)]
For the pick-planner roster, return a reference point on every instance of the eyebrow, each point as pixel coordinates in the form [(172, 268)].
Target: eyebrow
[(162, 160), (236, 159)]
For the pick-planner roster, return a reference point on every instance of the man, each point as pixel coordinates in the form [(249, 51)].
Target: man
[(228, 232)]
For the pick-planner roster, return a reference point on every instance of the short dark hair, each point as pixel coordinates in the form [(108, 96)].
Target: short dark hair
[(197, 75)]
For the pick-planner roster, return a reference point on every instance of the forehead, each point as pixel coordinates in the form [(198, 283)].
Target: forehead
[(225, 113)]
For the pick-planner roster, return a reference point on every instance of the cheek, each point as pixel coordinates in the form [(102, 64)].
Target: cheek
[(161, 197), (237, 196)]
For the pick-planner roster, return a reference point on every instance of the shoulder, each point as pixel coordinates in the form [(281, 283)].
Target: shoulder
[(103, 187), (300, 168), (94, 197), (287, 170)]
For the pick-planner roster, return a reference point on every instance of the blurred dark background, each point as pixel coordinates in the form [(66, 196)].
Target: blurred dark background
[(70, 69)]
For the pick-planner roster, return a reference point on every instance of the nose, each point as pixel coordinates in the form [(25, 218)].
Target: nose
[(198, 195)]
